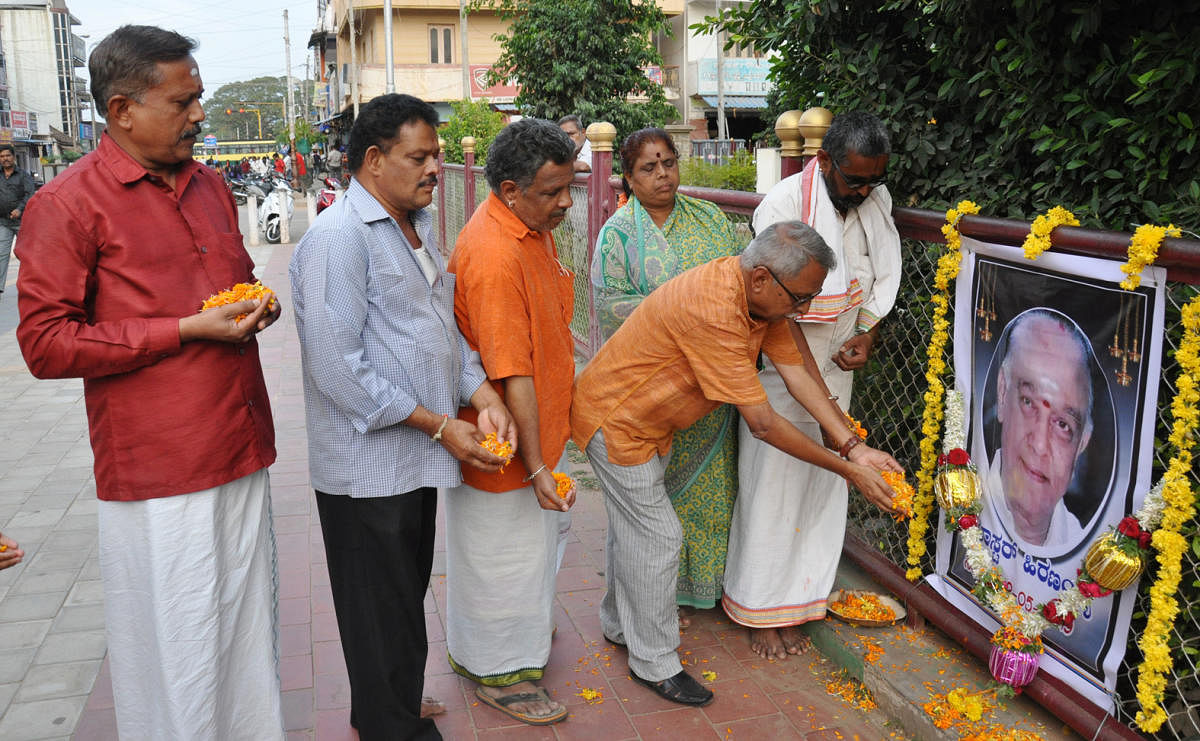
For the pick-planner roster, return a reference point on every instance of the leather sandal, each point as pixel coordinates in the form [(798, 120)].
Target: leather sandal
[(681, 688)]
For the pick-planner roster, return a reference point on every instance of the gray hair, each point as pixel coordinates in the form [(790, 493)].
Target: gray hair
[(571, 118), (1017, 331), (520, 150), (126, 61), (786, 248), (858, 132)]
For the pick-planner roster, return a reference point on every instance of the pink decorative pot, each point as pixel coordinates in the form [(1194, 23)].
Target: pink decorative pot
[(1016, 668)]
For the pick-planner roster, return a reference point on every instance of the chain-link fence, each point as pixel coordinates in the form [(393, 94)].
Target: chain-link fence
[(888, 400)]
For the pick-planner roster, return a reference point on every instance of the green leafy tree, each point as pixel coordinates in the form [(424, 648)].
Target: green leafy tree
[(583, 57), (233, 96), (1020, 106), (470, 118)]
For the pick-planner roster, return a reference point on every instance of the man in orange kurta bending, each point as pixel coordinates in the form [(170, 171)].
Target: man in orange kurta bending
[(688, 347)]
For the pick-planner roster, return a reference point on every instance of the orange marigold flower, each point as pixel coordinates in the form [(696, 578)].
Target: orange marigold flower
[(902, 500), (564, 484), (856, 426), (862, 606), (501, 449), (240, 292)]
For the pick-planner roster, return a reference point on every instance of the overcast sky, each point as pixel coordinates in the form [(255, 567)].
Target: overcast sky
[(239, 39)]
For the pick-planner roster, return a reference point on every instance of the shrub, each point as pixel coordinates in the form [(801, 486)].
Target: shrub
[(471, 118), (739, 173)]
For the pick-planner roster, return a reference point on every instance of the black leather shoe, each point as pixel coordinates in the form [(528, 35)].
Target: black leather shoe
[(681, 688)]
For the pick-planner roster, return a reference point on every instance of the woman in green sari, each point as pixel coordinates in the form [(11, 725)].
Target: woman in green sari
[(654, 237)]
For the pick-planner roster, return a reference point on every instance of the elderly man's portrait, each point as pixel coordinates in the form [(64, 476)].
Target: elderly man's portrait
[(1047, 427), (1059, 367)]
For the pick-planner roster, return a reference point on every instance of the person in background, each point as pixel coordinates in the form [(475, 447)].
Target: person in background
[(504, 531), (654, 237), (117, 256), (16, 188), (583, 149)]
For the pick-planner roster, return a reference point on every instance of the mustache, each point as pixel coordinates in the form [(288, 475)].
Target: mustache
[(190, 134), (428, 181)]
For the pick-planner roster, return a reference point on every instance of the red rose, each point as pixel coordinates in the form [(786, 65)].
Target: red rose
[(1129, 526), (967, 521), (1050, 611), (1068, 622), (941, 460), (1092, 589), (1144, 540), (958, 457)]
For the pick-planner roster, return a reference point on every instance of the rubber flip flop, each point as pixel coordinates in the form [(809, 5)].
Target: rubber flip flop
[(502, 704)]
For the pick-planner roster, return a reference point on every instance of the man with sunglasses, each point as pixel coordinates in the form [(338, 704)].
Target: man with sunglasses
[(690, 346), (790, 516)]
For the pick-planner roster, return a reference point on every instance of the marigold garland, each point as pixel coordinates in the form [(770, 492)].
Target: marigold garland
[(1178, 510), (1038, 239), (947, 271), (1143, 250)]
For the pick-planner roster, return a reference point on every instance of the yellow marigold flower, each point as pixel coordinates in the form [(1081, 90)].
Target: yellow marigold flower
[(1038, 239)]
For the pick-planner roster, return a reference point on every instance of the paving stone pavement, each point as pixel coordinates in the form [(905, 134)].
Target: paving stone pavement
[(54, 680)]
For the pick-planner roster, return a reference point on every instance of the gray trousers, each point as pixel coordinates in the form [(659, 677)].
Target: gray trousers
[(7, 234), (642, 563)]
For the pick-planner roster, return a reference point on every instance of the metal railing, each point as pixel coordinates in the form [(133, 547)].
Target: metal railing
[(888, 398)]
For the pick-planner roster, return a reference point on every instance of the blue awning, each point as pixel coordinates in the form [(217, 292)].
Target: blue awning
[(505, 107), (737, 101)]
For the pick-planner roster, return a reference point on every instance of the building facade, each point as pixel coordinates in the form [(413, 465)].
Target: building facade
[(41, 53), (441, 55)]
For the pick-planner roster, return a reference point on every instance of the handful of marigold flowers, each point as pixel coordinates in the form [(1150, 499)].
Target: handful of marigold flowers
[(241, 292), (499, 448), (902, 500), (563, 484)]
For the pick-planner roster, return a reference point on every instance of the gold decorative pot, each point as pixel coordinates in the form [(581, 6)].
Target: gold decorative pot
[(957, 487), (1109, 566)]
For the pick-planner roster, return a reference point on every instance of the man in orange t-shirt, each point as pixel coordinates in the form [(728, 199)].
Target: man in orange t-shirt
[(688, 347), (513, 301)]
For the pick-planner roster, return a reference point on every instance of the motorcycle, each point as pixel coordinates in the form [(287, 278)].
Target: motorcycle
[(276, 203), (330, 194)]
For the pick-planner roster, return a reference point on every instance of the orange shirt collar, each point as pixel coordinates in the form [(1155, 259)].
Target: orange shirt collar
[(507, 220)]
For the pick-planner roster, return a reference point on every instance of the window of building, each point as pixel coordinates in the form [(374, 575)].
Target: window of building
[(441, 44), (738, 50)]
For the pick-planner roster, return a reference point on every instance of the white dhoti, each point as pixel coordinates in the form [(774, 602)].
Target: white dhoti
[(190, 605), (502, 553), (790, 516)]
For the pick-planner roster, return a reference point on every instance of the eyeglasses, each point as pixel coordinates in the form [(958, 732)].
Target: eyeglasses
[(856, 183), (797, 301)]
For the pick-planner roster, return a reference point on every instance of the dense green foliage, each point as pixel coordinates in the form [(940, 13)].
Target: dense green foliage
[(1019, 106), (739, 173), (470, 118), (244, 124), (583, 57)]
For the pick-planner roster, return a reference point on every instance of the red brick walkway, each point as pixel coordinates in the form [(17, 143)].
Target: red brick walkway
[(755, 699)]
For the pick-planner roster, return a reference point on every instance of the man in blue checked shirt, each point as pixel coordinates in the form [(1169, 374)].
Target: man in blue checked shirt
[(385, 371)]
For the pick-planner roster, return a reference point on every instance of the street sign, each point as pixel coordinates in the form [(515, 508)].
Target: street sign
[(210, 140), (20, 119)]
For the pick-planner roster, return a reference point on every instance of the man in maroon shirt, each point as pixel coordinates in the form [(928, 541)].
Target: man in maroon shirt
[(117, 255)]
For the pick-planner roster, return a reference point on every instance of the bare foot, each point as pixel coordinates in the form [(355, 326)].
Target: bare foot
[(685, 616), (766, 643), (794, 641), (541, 708), (431, 706)]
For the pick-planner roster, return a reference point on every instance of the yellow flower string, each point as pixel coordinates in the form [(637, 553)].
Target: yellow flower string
[(1143, 249), (1170, 545), (931, 425), (1038, 239)]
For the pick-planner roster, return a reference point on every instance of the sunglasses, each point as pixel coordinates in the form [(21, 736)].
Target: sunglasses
[(856, 183)]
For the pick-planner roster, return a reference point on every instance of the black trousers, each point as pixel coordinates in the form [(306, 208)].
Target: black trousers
[(380, 554)]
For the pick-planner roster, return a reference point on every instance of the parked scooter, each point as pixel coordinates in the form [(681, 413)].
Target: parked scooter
[(276, 203), (330, 194)]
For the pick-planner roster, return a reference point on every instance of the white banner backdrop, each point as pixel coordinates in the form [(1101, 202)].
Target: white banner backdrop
[(1059, 368)]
